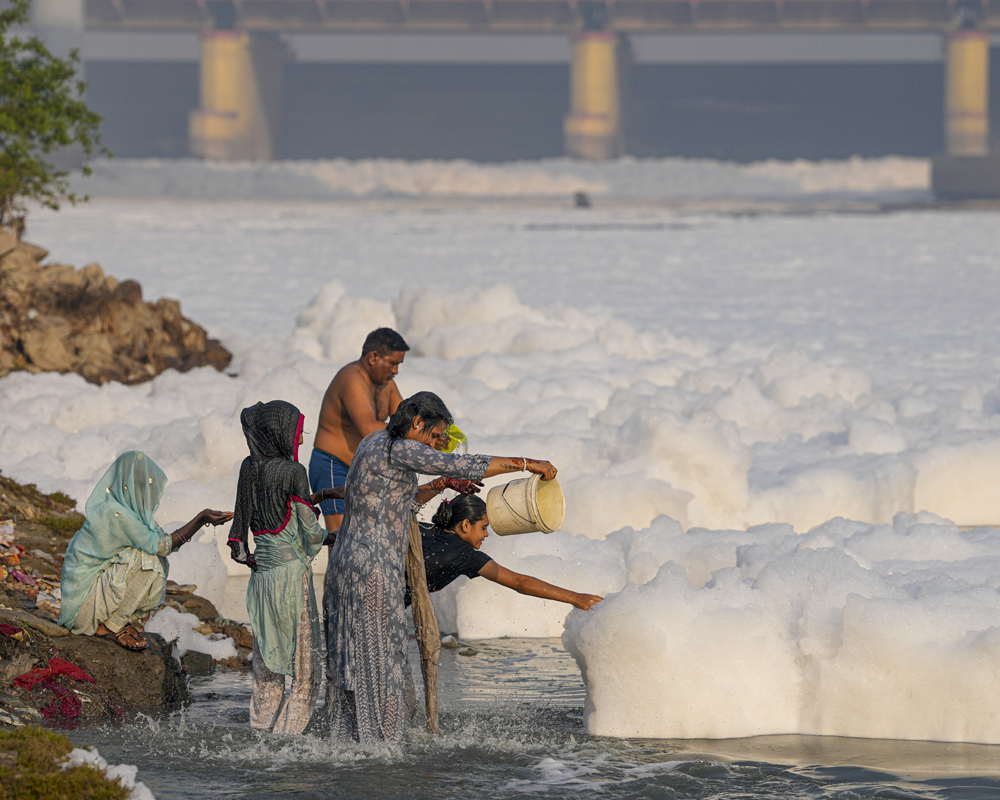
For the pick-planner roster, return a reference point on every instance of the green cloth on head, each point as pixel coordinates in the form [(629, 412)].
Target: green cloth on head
[(119, 515)]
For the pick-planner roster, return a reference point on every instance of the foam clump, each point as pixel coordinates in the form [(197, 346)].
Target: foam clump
[(201, 565), (854, 174), (125, 774), (852, 629), (179, 628)]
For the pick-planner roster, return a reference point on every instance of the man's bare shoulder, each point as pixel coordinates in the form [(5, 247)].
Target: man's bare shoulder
[(348, 376)]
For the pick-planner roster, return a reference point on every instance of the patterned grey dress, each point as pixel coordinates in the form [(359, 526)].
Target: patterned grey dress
[(366, 629)]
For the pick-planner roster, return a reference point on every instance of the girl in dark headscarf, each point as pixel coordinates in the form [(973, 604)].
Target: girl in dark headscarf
[(273, 501)]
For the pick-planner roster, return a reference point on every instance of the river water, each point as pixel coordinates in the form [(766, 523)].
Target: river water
[(512, 727)]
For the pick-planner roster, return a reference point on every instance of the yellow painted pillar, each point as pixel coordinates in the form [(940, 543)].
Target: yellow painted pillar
[(593, 125), (966, 93), (239, 87)]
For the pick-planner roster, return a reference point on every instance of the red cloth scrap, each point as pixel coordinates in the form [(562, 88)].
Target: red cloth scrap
[(29, 679), (66, 704), (57, 666), (60, 666), (10, 630)]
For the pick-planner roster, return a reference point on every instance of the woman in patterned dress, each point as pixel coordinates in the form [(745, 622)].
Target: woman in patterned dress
[(366, 629)]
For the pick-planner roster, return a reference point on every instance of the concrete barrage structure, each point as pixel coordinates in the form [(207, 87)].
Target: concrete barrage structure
[(241, 56)]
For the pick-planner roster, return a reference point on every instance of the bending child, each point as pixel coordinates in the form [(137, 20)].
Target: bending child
[(451, 549)]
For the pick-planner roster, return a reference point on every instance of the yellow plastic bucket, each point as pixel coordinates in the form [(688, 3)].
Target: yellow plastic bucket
[(526, 505)]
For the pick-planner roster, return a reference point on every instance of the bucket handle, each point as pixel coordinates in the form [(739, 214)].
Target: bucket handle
[(503, 496)]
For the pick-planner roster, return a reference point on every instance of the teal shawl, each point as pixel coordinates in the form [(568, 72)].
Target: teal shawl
[(119, 515)]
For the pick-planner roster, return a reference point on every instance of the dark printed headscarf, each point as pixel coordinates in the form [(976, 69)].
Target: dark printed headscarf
[(270, 476)]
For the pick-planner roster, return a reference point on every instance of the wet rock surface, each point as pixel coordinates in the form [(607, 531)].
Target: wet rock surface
[(201, 607), (54, 318)]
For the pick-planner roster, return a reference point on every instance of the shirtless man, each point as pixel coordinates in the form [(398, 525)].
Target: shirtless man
[(359, 400)]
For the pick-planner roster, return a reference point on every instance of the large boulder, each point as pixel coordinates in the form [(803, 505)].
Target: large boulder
[(54, 318)]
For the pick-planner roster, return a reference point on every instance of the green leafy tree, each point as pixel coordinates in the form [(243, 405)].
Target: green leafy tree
[(41, 112)]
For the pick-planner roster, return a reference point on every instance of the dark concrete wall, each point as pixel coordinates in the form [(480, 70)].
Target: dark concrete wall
[(501, 113), (789, 111), (145, 105), (484, 113)]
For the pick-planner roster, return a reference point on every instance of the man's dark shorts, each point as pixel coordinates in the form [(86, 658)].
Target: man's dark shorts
[(326, 472)]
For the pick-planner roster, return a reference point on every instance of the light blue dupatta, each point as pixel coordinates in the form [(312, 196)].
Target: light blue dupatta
[(119, 515)]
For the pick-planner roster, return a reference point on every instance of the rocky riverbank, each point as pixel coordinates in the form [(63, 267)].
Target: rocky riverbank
[(47, 673), (55, 318)]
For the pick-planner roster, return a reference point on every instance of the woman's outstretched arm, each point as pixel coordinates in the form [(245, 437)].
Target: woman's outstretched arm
[(501, 465), (525, 584), (419, 457), (185, 533)]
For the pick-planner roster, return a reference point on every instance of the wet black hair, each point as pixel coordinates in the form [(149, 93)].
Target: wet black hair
[(426, 405), (451, 514), (384, 341)]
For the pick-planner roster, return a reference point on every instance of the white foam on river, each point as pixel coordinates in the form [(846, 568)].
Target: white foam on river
[(720, 394), (887, 631), (378, 178), (124, 774), (179, 628)]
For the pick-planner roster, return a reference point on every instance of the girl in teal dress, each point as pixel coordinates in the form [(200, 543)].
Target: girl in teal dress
[(274, 502)]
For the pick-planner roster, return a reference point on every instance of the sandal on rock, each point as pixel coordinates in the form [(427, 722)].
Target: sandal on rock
[(121, 638), (138, 633)]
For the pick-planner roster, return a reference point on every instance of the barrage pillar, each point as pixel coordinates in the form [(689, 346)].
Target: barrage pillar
[(593, 126), (967, 170), (966, 93), (240, 87)]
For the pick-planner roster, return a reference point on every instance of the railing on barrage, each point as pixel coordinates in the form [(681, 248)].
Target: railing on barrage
[(539, 16)]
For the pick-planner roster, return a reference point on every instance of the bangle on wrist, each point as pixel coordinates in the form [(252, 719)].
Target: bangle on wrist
[(524, 464)]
